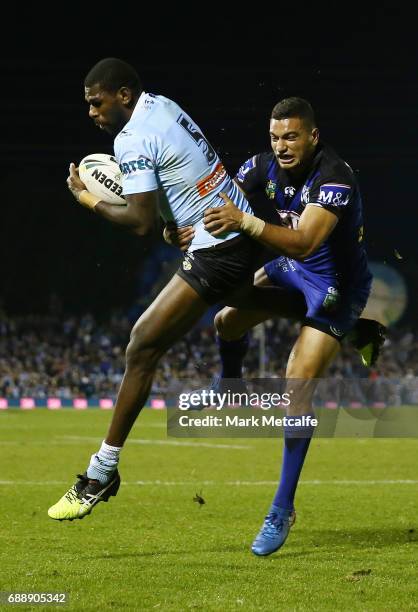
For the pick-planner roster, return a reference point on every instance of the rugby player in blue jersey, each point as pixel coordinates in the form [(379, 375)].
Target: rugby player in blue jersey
[(322, 260)]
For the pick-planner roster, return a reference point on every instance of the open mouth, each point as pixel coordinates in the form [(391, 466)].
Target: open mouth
[(286, 159)]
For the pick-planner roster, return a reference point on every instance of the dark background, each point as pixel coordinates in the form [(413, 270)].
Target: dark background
[(359, 71)]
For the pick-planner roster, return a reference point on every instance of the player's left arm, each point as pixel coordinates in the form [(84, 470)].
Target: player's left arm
[(315, 225)]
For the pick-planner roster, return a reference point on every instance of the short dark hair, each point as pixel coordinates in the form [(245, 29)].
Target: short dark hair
[(112, 74), (294, 107)]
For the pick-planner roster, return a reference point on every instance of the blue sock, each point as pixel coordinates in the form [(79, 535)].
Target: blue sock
[(295, 449), (232, 355)]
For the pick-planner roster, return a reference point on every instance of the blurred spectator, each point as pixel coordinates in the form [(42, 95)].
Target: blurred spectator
[(69, 356)]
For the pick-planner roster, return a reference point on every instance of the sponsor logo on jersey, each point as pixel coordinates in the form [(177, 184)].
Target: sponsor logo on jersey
[(285, 264), (210, 182), (142, 163), (289, 191), (271, 190), (249, 165), (334, 194), (187, 264), (336, 331), (148, 103)]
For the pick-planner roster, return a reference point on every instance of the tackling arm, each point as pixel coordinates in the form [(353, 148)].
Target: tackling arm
[(315, 225), (181, 237)]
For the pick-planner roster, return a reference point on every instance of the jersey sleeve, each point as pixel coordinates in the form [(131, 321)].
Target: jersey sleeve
[(334, 192), (136, 160), (248, 176)]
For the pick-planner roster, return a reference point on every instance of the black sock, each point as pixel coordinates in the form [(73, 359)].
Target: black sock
[(232, 353)]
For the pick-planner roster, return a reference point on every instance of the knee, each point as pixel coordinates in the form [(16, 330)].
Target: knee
[(219, 322), (141, 352), (224, 324), (299, 367)]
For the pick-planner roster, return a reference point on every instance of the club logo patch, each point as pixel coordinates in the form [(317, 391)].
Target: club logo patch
[(271, 190), (305, 195), (331, 301)]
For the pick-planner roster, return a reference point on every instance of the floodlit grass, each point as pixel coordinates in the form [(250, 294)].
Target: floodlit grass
[(354, 546)]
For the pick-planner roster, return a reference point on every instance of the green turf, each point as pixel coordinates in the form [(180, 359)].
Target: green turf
[(153, 547)]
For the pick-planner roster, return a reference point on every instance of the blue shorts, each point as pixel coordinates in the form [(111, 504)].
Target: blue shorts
[(329, 308)]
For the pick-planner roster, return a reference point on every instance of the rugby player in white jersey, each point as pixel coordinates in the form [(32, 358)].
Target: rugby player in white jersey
[(168, 168)]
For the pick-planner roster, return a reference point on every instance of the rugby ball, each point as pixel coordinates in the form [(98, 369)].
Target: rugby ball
[(102, 176)]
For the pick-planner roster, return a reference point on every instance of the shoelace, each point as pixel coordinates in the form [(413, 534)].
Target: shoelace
[(71, 495), (270, 529), (90, 500)]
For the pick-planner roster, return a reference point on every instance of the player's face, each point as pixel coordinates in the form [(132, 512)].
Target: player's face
[(106, 109), (293, 142)]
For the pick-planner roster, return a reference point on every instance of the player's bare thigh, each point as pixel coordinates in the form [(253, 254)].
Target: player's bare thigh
[(309, 359), (261, 279), (231, 323), (173, 312)]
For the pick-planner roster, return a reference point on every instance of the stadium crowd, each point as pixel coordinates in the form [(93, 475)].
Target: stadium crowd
[(80, 356)]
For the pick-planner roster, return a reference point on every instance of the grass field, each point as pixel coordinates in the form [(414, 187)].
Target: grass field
[(354, 545)]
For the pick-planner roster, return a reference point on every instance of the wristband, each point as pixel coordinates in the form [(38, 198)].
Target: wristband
[(87, 199), (253, 226)]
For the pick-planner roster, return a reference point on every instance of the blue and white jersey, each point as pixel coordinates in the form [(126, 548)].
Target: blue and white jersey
[(161, 148)]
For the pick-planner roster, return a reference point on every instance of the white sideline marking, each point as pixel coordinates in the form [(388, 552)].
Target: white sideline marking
[(164, 442), (357, 482), (230, 483)]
